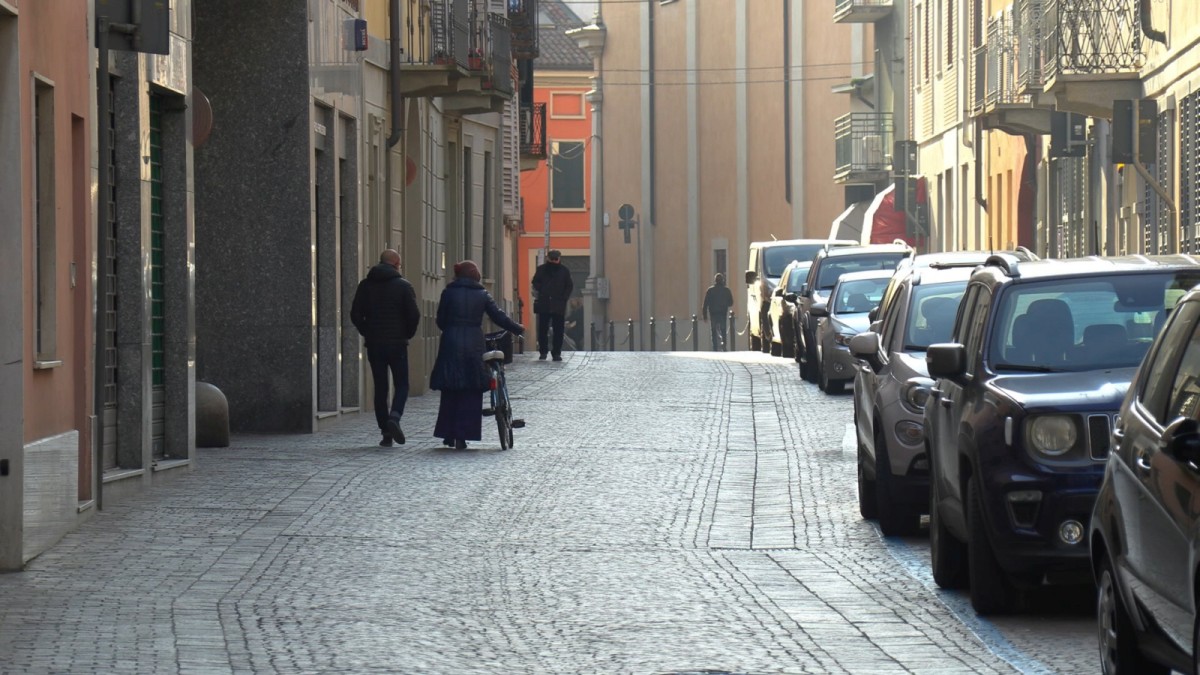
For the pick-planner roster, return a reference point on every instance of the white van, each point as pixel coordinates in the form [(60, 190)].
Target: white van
[(767, 262)]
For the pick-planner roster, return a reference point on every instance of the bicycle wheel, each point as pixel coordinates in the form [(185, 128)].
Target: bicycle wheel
[(503, 413)]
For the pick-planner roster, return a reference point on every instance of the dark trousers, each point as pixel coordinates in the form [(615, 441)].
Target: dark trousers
[(716, 324), (384, 358), (544, 323)]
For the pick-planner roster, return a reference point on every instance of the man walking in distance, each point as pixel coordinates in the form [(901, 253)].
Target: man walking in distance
[(717, 301), (552, 288), (385, 312)]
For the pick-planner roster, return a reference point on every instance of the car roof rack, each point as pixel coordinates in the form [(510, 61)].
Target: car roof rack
[(1027, 252), (951, 264), (1006, 262)]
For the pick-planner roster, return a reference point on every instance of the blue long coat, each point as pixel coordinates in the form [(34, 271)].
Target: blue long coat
[(459, 365)]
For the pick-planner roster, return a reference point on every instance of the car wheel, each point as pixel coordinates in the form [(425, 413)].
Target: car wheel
[(1119, 652), (827, 385), (947, 555), (755, 343), (776, 348), (867, 507), (803, 359), (764, 329), (810, 353), (895, 519), (788, 341), (991, 590)]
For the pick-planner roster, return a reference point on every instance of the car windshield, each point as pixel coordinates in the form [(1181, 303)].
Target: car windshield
[(859, 296), (797, 276), (834, 268), (778, 257), (1091, 323), (931, 314)]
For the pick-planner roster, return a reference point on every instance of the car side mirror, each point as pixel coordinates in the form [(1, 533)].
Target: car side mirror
[(873, 315), (866, 347), (790, 297), (819, 309), (1182, 441), (804, 290), (751, 276), (778, 292), (948, 360), (876, 327)]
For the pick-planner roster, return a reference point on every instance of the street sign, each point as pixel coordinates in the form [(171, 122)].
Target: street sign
[(626, 215)]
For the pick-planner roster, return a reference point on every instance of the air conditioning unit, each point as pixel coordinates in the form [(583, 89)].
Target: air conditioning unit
[(871, 151)]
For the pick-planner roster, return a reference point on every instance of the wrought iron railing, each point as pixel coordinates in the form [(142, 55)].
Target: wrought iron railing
[(523, 19), (1028, 25), (499, 55), (863, 143), (846, 6), (439, 36), (1002, 49), (1092, 37), (533, 130)]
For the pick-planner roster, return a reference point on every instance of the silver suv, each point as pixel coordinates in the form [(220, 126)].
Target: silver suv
[(890, 391)]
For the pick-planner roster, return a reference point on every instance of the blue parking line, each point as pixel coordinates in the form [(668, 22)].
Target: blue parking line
[(917, 565)]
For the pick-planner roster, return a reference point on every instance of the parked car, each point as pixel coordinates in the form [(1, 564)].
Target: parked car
[(768, 259), (1019, 421), (839, 320), (942, 260), (1145, 552), (827, 267), (782, 313), (890, 392)]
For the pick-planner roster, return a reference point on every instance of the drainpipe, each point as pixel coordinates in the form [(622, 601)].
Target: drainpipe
[(397, 98), (1148, 23)]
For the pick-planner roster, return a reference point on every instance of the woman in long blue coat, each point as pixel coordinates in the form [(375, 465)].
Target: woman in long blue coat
[(459, 372)]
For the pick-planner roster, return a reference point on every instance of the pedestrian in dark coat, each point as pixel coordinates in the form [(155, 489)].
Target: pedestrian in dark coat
[(459, 372), (717, 301), (385, 312), (552, 288)]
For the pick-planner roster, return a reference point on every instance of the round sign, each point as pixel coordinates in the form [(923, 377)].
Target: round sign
[(625, 212)]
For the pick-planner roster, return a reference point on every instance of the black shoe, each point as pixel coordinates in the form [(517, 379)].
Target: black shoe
[(392, 427), (448, 442), (386, 442), (558, 357), (541, 357), (460, 445)]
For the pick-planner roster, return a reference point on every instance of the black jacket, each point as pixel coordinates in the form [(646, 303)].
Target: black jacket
[(553, 285), (717, 301), (385, 307)]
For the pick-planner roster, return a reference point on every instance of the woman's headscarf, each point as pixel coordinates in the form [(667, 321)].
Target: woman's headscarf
[(467, 269)]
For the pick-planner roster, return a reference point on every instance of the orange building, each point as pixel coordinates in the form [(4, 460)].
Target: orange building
[(561, 81)]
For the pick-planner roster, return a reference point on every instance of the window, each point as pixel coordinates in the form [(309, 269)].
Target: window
[(919, 44), (567, 105), (926, 37), (1158, 384), (720, 263), (566, 180), (974, 329), (950, 33), (1185, 391), (44, 222)]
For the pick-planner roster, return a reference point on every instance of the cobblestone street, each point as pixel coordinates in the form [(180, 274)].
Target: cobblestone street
[(660, 513)]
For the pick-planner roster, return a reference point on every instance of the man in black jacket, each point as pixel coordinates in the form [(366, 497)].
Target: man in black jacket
[(717, 301), (552, 288), (385, 312)]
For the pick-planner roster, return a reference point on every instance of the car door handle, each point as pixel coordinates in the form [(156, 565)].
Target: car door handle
[(1142, 460)]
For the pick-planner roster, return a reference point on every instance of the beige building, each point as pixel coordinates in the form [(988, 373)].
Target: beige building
[(717, 131)]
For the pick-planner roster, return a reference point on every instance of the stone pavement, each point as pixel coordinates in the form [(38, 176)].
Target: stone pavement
[(660, 513)]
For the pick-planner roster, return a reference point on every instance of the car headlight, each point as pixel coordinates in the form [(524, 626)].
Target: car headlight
[(1052, 435), (915, 394), (843, 339)]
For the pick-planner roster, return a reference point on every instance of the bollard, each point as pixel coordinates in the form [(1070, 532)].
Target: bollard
[(594, 336), (730, 337), (629, 335), (672, 333), (653, 339), (695, 334), (612, 336)]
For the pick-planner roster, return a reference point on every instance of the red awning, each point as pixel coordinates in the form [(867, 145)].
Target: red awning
[(888, 224)]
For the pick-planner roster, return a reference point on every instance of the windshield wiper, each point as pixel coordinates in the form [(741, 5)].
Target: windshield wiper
[(1025, 368)]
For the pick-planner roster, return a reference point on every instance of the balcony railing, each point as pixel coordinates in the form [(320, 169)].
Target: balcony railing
[(1003, 48), (533, 131), (523, 19), (1028, 21), (861, 11), (862, 146), (1092, 37), (499, 55), (439, 36)]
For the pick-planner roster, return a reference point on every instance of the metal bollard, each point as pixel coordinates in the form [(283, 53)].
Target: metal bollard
[(594, 336), (695, 334), (629, 336), (612, 336), (653, 339), (672, 333), (731, 336)]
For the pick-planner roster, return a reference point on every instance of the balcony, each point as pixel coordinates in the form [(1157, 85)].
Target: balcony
[(436, 45), (488, 84), (533, 135), (1092, 54), (863, 147), (861, 11), (523, 19), (1006, 93)]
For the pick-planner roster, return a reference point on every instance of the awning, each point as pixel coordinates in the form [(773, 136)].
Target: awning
[(883, 224), (849, 225)]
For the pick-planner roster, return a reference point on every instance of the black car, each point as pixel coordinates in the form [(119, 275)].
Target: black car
[(827, 267), (1019, 420), (1145, 552)]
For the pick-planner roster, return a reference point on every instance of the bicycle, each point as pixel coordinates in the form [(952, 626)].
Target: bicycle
[(499, 350)]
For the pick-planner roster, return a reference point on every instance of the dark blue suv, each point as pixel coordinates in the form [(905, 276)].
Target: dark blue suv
[(1019, 421)]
